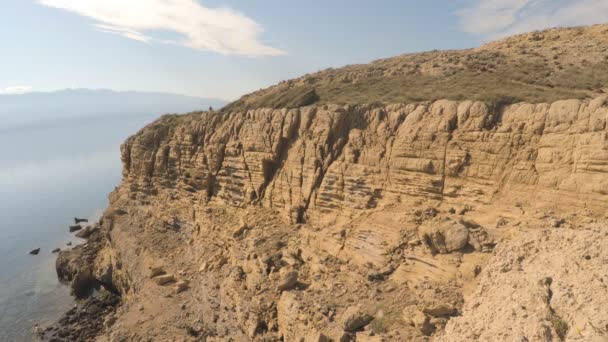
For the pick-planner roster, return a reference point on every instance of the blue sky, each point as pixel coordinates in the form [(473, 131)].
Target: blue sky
[(225, 48)]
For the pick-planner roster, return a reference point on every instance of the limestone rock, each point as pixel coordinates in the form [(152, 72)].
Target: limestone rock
[(182, 286), (247, 146), (519, 301), (240, 230), (164, 279), (157, 271), (415, 317), (440, 310), (445, 237), (288, 280), (86, 232), (355, 318), (556, 223)]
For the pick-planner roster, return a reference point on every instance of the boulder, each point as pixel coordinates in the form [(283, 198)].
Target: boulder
[(181, 286), (440, 310), (446, 237), (35, 251), (157, 271), (288, 281), (164, 279), (558, 222), (354, 318), (240, 230), (56, 250), (79, 220), (382, 274)]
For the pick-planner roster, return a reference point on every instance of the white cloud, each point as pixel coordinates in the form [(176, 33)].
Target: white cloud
[(220, 30), (15, 90), (499, 18)]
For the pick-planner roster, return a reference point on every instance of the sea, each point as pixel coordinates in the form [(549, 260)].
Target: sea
[(50, 172)]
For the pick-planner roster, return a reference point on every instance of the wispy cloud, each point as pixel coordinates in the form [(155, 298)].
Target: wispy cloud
[(220, 30), (15, 90), (499, 18)]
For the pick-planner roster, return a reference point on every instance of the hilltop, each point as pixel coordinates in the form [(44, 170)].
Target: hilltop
[(545, 66)]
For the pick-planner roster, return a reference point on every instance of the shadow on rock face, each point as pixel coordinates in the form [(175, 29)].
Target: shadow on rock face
[(75, 267)]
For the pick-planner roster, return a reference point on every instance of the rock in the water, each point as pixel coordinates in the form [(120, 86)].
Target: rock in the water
[(354, 318), (69, 243), (288, 281), (165, 279), (35, 251), (56, 250), (75, 228), (79, 220)]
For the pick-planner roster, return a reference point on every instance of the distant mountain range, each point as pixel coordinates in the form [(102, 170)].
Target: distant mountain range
[(42, 107)]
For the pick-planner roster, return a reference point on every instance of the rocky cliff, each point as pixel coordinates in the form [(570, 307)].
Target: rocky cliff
[(443, 220), (339, 159)]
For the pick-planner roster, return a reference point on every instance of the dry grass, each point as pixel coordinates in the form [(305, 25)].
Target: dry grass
[(536, 67)]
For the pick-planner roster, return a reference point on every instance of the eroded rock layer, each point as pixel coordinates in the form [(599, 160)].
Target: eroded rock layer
[(333, 159)]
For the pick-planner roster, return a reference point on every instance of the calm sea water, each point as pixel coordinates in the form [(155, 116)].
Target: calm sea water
[(49, 173)]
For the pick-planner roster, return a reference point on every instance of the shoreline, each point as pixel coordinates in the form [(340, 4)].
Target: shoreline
[(94, 305)]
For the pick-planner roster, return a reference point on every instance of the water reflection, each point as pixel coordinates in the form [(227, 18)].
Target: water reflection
[(49, 174)]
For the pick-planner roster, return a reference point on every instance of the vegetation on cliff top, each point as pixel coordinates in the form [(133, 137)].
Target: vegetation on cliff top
[(533, 67)]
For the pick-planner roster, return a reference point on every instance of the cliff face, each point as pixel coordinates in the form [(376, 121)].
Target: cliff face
[(361, 223), (333, 159)]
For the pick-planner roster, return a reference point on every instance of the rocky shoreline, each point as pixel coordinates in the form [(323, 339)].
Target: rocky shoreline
[(85, 321), (96, 302)]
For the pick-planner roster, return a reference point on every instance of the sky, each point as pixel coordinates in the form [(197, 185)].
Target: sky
[(226, 48)]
